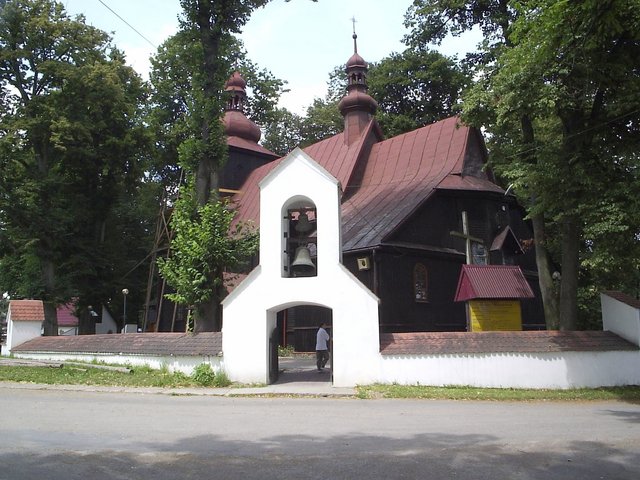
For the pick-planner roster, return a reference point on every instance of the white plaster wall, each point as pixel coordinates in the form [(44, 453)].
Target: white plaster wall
[(69, 331), (252, 306), (184, 364), (620, 318), (20, 332), (354, 329), (541, 370), (108, 323)]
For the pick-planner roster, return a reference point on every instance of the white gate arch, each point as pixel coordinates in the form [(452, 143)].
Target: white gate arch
[(249, 312)]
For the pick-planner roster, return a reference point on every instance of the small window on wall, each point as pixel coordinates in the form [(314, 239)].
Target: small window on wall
[(420, 283)]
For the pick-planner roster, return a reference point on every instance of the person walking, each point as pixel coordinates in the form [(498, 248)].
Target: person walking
[(322, 347)]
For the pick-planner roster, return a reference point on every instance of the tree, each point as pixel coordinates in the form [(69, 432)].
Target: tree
[(413, 89), (573, 68), (204, 243), (283, 133), (71, 145), (189, 74), (553, 92), (174, 98)]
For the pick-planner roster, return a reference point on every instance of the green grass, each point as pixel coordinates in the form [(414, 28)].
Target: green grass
[(628, 394), (147, 377), (73, 375)]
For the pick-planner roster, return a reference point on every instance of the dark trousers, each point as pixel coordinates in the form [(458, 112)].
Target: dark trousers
[(322, 357)]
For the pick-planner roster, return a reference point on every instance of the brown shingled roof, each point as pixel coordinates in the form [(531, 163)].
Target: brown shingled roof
[(441, 343), (26, 310), (385, 181), (187, 344)]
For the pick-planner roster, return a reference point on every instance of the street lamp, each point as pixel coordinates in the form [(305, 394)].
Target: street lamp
[(125, 292)]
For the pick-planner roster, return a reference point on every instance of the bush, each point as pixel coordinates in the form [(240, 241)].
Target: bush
[(203, 375), (221, 380), (285, 351)]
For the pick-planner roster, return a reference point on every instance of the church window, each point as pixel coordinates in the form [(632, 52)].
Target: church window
[(420, 283), (478, 253)]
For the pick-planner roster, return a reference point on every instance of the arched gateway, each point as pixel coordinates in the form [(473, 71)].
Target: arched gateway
[(300, 264)]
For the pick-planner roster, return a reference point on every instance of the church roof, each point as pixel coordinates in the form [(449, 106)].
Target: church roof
[(244, 144), (384, 181)]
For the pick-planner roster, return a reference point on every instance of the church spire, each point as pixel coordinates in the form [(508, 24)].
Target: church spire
[(357, 107), (236, 124), (354, 36)]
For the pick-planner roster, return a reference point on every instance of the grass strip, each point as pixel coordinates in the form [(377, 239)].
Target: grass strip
[(78, 375), (628, 394)]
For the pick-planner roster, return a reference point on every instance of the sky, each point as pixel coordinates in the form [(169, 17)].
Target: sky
[(298, 41)]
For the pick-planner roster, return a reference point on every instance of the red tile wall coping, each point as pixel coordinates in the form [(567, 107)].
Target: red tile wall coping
[(177, 344), (27, 310), (624, 298), (424, 343), (440, 343)]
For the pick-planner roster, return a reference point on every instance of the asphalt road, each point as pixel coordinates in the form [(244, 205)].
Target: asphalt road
[(88, 435)]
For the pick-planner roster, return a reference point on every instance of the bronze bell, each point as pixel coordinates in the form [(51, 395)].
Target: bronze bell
[(303, 225), (302, 262)]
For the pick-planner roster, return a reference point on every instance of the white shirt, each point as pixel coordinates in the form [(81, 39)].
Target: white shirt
[(322, 337)]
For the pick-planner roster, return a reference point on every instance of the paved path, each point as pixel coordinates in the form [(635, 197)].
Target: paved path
[(61, 435)]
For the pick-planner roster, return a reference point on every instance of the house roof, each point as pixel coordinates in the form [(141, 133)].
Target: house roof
[(384, 181), (26, 310), (186, 344), (441, 343), (492, 282), (66, 318), (624, 298)]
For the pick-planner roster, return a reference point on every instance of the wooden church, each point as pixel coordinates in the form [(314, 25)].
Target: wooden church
[(403, 203), (415, 209)]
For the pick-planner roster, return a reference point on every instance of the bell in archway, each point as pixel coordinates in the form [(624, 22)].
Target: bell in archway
[(303, 225), (302, 262)]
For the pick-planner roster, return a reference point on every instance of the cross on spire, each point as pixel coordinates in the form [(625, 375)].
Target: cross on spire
[(355, 37)]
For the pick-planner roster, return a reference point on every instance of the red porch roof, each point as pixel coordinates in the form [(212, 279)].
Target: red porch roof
[(492, 282)]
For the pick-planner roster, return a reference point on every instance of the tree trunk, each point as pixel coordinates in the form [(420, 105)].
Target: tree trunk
[(545, 278), (570, 267), (50, 318), (207, 316), (86, 322), (50, 308)]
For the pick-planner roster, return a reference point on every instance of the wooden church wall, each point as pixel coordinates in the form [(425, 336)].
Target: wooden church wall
[(429, 233), (239, 165), (401, 311)]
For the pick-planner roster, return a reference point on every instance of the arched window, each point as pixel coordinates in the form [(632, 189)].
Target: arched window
[(300, 236), (420, 283)]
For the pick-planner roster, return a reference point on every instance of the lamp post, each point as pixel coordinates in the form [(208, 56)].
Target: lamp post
[(125, 292)]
